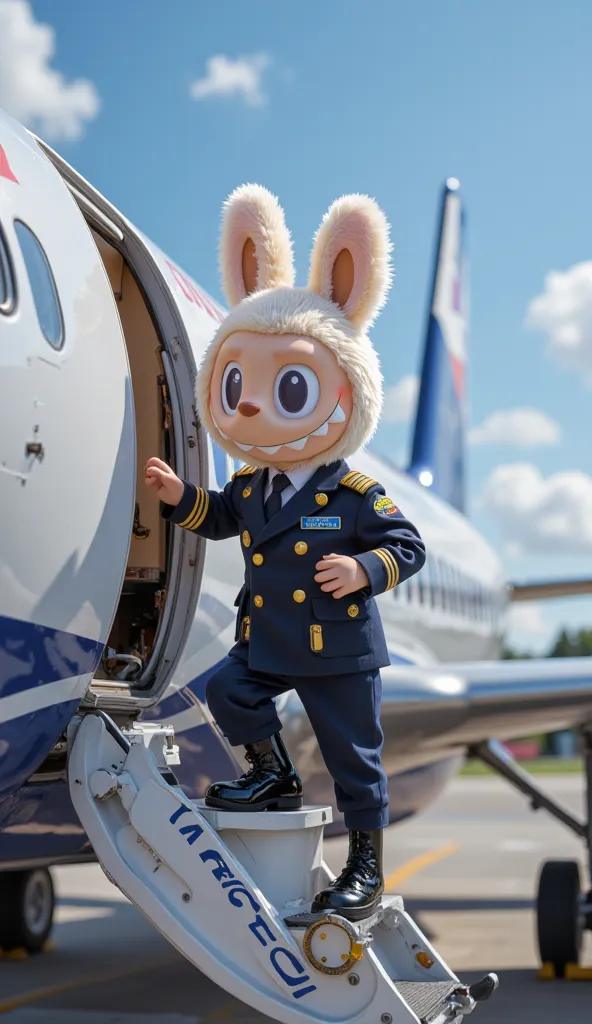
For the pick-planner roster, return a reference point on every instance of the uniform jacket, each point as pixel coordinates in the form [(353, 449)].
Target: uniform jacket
[(286, 625)]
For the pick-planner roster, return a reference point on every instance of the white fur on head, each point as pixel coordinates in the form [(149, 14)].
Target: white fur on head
[(357, 224), (301, 311), (251, 212)]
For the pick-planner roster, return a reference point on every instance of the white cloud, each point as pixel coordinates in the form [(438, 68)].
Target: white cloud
[(526, 617), (32, 91), (227, 77), (400, 401), (523, 428), (564, 312), (549, 515)]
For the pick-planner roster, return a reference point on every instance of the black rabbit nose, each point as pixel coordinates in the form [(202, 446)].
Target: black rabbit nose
[(248, 408)]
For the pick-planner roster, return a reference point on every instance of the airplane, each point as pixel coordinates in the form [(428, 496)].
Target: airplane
[(107, 610)]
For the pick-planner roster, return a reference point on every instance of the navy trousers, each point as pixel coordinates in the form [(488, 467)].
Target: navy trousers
[(344, 712)]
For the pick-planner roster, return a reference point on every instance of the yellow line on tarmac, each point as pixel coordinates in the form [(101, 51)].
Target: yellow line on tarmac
[(34, 996), (417, 864)]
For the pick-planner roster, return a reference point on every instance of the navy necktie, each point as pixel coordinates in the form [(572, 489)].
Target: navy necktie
[(274, 502)]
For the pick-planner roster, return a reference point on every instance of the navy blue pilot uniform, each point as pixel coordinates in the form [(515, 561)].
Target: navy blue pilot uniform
[(292, 635)]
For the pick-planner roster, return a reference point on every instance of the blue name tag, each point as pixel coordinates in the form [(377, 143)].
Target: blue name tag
[(320, 523)]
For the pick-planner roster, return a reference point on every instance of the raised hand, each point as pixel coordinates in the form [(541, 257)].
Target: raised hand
[(340, 575), (163, 482)]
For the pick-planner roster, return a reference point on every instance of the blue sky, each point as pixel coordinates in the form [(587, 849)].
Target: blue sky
[(385, 98)]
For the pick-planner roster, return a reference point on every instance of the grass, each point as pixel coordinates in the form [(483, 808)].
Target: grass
[(536, 766)]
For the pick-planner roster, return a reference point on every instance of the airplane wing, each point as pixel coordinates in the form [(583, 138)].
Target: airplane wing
[(434, 711), (548, 589)]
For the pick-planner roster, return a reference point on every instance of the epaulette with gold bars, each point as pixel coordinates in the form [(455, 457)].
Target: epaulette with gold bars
[(245, 471), (358, 482)]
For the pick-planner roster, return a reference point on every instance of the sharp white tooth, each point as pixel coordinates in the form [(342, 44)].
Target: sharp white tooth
[(299, 444), (243, 447), (269, 449), (322, 430), (337, 416), (221, 432)]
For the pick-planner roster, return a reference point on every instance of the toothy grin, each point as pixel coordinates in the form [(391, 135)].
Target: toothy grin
[(337, 416)]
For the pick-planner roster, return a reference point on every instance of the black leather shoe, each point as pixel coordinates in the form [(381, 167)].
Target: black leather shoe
[(271, 783), (356, 893)]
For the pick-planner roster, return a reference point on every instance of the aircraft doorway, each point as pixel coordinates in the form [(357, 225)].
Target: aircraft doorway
[(134, 663), (136, 623)]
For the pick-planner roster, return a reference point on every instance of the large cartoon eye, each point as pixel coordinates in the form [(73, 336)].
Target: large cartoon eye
[(296, 391), (232, 386)]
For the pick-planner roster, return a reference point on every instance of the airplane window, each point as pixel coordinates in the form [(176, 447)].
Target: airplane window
[(421, 581), (431, 582), (471, 598), (443, 585), (462, 594), (6, 284), (43, 287), (453, 594)]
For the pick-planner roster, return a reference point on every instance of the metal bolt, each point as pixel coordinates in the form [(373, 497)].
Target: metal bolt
[(386, 1018), (186, 897), (353, 979)]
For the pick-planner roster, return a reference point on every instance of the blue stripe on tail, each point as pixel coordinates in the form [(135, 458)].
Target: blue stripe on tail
[(438, 455)]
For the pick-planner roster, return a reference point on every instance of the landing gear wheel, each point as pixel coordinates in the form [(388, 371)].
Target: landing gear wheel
[(26, 909), (559, 914)]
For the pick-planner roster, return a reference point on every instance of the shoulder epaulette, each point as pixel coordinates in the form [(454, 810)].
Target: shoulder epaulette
[(245, 471), (358, 482)]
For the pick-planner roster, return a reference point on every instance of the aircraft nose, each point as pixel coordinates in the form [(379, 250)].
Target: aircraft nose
[(248, 408)]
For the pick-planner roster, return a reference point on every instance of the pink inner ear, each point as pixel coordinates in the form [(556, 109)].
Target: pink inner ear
[(353, 235), (249, 266), (241, 262), (342, 277)]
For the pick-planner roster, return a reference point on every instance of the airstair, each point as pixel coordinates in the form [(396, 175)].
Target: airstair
[(232, 892)]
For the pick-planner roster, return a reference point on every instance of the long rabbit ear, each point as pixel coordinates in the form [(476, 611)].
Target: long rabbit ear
[(350, 261), (255, 248)]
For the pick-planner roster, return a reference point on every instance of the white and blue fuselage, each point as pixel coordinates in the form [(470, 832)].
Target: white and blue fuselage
[(102, 605)]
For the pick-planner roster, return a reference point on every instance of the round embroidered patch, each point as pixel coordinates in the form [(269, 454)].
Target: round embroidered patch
[(385, 506)]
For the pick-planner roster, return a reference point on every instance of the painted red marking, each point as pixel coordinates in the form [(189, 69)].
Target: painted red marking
[(5, 168), (193, 294), (458, 375)]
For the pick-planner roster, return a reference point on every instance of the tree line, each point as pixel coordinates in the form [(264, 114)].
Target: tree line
[(575, 643)]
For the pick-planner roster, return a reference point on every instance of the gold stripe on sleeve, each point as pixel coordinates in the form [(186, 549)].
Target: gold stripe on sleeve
[(201, 511), (391, 565), (192, 513)]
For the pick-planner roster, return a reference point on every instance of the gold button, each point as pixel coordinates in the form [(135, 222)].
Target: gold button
[(321, 499), (352, 611), (258, 559), (258, 601), (246, 538), (246, 492), (299, 596), (301, 547)]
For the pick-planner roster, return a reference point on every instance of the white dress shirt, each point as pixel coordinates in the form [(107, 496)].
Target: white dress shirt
[(297, 477)]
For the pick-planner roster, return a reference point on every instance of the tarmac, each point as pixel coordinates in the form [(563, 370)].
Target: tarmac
[(467, 868)]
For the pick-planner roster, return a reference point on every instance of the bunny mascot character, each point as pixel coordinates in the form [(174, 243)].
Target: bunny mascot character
[(291, 383)]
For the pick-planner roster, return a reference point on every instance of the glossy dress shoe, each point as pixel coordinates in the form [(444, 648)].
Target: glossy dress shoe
[(271, 783)]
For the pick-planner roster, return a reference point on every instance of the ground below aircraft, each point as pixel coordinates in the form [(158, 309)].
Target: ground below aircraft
[(106, 610)]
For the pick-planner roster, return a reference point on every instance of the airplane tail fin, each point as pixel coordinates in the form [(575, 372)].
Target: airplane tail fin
[(438, 455)]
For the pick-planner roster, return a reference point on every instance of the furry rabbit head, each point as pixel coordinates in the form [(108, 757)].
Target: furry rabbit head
[(291, 378)]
